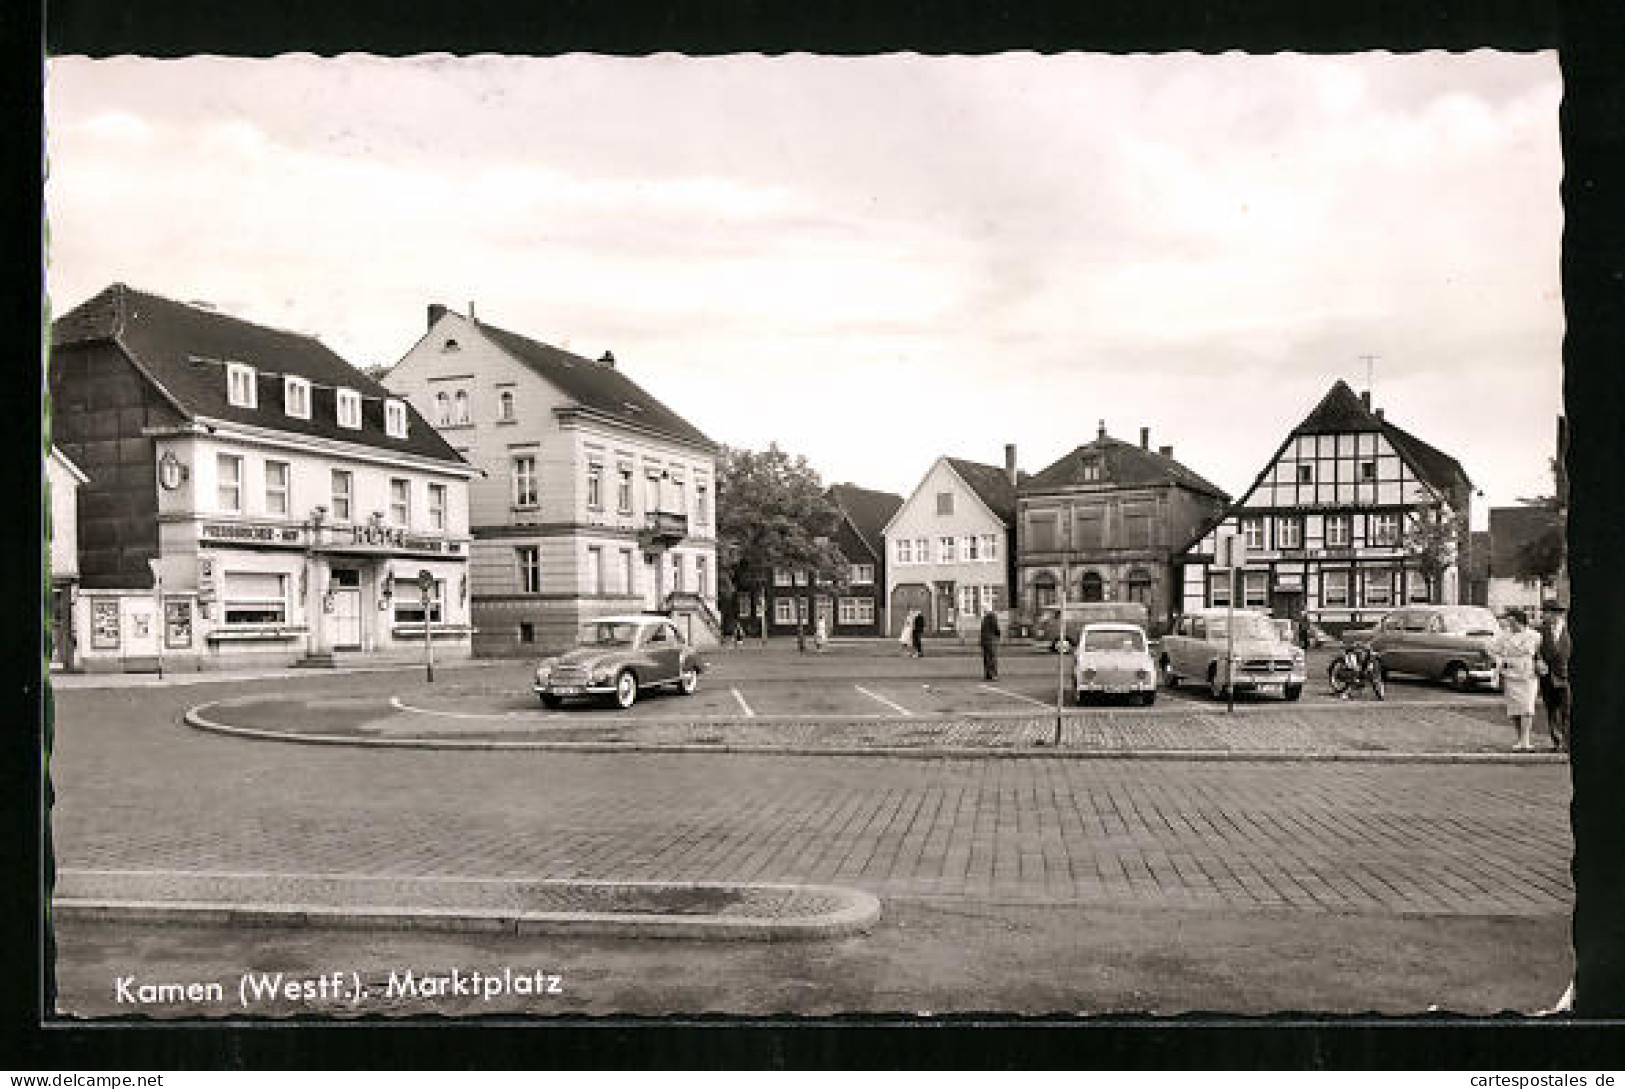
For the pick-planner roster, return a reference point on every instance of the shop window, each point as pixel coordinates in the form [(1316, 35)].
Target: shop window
[(1255, 589), (1379, 587), (1334, 588), (527, 632), (1218, 584), (253, 597), (409, 603), (1091, 587)]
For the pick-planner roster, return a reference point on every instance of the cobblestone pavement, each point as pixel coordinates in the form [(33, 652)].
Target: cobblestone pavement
[(138, 790)]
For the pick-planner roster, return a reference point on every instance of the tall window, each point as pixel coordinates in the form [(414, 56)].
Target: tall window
[(442, 409), (349, 408), (276, 487), (973, 548), (1379, 586), (524, 480), (623, 489), (1289, 533), (595, 486), (395, 419), (1255, 589), (1385, 528), (990, 546), (702, 509), (505, 405), (437, 506), (1334, 588), (1091, 587), (629, 572), (702, 581), (651, 492), (1218, 587), (296, 397), (1139, 586), (1337, 531), (530, 569), (229, 478), (253, 597), (945, 550), (343, 493), (400, 502), (679, 490), (1253, 530), (241, 387), (905, 550), (677, 571), (595, 569), (922, 550), (460, 407)]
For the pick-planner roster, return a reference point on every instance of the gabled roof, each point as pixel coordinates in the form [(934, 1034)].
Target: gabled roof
[(1511, 531), (182, 349), (601, 387), (1120, 463), (867, 512), (72, 470), (991, 484), (1342, 410)]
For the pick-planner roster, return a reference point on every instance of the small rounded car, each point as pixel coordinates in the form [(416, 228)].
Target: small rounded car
[(1265, 664), (1113, 660), (1451, 643), (620, 657)]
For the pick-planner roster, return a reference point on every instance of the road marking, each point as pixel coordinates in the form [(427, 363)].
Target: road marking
[(401, 705), (899, 708), (1013, 695), (743, 706)]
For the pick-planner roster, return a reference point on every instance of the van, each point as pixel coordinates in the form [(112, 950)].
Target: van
[(1047, 628)]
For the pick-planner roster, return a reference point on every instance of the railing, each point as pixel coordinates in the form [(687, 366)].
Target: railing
[(666, 524), (686, 601)]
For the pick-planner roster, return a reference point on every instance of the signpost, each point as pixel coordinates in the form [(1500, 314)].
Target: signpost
[(1231, 555), (161, 626), (426, 586)]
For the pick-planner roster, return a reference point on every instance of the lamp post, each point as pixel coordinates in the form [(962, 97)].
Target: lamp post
[(426, 587), (318, 515), (160, 625)]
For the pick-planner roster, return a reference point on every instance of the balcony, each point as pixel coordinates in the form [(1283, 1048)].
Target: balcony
[(663, 529)]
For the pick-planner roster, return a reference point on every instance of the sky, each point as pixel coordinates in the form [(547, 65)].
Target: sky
[(876, 261)]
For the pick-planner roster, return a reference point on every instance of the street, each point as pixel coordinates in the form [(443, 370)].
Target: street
[(1385, 883)]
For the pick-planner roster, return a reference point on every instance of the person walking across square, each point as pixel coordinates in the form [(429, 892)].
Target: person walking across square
[(917, 634), (905, 634), (990, 646), (1552, 664)]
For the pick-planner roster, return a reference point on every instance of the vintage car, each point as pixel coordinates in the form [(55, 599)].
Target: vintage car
[(1048, 630), (1265, 663), (1441, 642), (1113, 660), (619, 657)]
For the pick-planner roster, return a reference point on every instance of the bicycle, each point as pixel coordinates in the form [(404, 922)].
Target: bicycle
[(1355, 669)]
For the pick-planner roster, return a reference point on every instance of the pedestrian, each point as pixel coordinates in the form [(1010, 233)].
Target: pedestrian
[(917, 630), (905, 634), (1516, 649), (1552, 665), (820, 634), (739, 632), (990, 646)]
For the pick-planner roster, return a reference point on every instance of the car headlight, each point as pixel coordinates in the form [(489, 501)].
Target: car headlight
[(600, 674), (544, 671)]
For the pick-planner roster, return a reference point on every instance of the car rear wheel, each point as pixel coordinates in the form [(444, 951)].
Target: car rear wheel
[(689, 680), (626, 689), (1457, 677), (551, 702)]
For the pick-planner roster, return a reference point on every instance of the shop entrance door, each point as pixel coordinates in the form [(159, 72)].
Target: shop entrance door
[(346, 616)]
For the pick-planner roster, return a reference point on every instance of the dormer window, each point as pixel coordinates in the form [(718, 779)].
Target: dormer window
[(240, 385), (349, 409), (1090, 469), (296, 397), (395, 419)]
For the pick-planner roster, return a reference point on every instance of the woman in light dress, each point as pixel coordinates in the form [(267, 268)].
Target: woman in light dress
[(1516, 649), (905, 635)]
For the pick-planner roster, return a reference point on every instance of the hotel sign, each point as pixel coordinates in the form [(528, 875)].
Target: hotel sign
[(249, 533)]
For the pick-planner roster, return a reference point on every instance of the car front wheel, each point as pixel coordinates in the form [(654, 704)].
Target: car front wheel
[(551, 702), (1147, 699), (626, 689), (689, 680), (1457, 677)]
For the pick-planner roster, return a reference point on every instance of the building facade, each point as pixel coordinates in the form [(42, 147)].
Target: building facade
[(1104, 523), (251, 498), (857, 609), (594, 497), (1338, 524), (1512, 530), (64, 479), (950, 547)]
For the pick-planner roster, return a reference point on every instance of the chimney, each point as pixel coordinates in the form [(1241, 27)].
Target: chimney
[(1145, 438), (1010, 462), (1365, 399), (1166, 451), (1378, 412), (436, 312), (1102, 432), (608, 360), (471, 316)]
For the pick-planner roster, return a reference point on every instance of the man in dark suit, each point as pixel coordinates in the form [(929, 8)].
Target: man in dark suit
[(1553, 658), (990, 646)]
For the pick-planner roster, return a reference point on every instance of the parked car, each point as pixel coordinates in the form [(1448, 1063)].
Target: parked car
[(1265, 663), (1441, 642), (1047, 628), (1113, 659), (620, 657)]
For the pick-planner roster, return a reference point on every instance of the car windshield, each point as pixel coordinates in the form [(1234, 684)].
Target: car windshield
[(608, 633), (1247, 627), (1469, 620), (1113, 640)]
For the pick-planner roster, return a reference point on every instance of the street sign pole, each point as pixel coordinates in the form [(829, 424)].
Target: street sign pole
[(1230, 554), (160, 621), (1230, 650), (426, 587)]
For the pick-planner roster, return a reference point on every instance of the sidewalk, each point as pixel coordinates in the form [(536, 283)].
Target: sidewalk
[(171, 679)]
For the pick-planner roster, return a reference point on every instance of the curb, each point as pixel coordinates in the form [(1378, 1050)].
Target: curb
[(857, 915), (195, 719)]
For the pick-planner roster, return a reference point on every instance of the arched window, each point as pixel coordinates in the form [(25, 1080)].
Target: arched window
[(1091, 588), (1139, 586), (442, 409), (505, 405), (462, 407)]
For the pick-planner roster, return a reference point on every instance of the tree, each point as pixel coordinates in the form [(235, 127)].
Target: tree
[(774, 514), (1543, 557), (1433, 544)]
